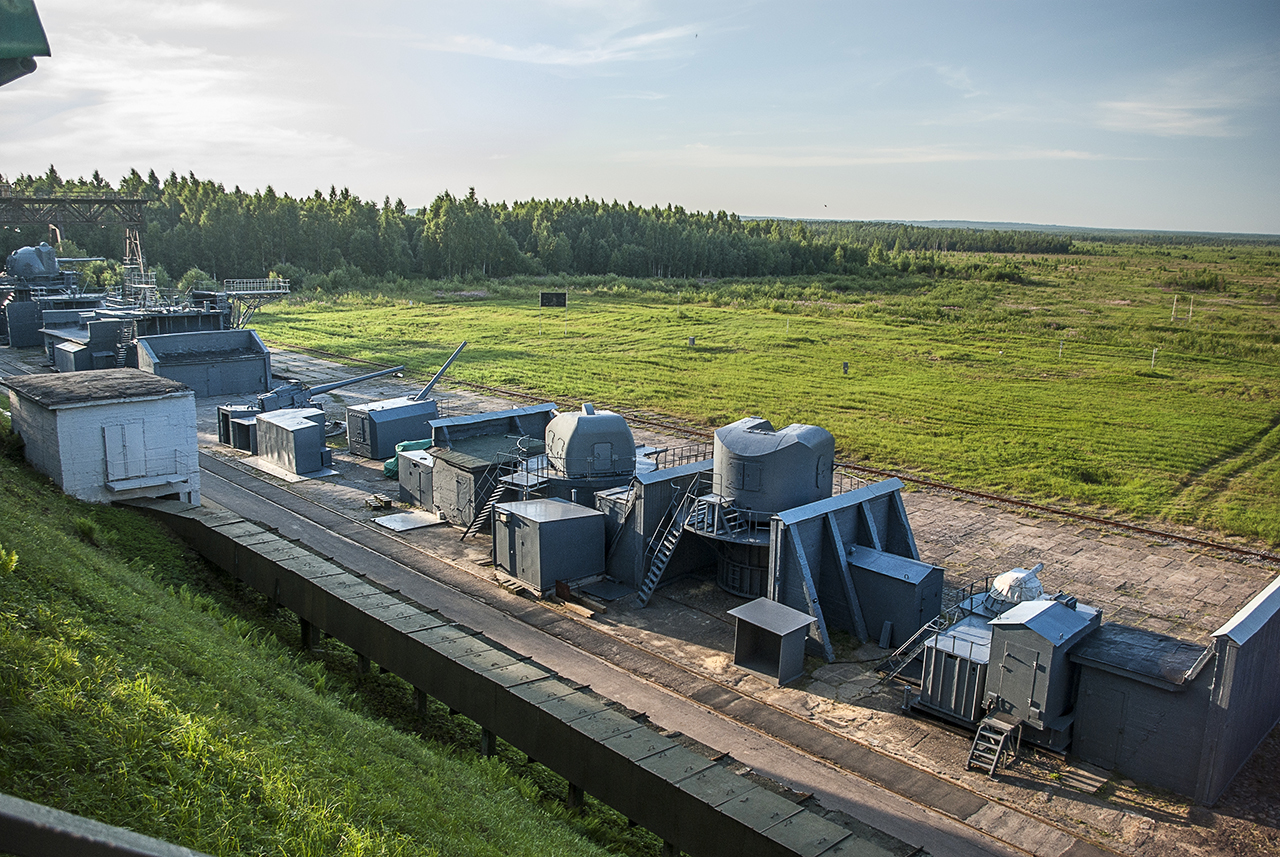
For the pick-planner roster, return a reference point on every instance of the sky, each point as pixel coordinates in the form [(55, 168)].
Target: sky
[(1131, 115)]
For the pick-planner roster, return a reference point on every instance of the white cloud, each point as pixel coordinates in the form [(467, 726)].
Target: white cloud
[(641, 96), (115, 99), (1165, 119), (658, 44), (958, 78), (1204, 100)]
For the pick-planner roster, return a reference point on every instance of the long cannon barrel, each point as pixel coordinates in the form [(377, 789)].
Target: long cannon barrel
[(426, 391), (333, 385)]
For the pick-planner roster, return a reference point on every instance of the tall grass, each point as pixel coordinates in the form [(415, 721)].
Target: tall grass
[(1045, 388), (131, 693)]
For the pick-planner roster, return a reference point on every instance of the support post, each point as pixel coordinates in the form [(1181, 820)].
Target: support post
[(419, 701), (488, 743), (363, 665), (576, 797), (811, 595), (310, 634), (846, 579)]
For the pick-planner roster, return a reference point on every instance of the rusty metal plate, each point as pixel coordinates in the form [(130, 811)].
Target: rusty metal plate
[(520, 672), (415, 622), (605, 725), (540, 692), (807, 834), (760, 808), (483, 662), (571, 708)]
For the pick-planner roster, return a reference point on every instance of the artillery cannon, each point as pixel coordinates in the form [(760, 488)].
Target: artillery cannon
[(296, 394), (374, 428)]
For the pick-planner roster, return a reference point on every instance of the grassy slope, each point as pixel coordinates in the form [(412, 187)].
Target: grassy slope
[(128, 701), (961, 380)]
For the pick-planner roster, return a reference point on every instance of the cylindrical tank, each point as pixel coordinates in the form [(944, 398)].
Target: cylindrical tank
[(589, 443), (767, 471)]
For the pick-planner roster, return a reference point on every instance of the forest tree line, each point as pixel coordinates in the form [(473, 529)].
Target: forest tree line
[(194, 223)]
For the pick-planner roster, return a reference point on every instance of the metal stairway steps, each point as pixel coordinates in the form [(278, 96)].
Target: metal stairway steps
[(486, 512), (664, 545), (908, 651), (991, 742)]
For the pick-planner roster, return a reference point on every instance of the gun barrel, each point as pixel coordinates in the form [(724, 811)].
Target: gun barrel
[(333, 385), (426, 391)]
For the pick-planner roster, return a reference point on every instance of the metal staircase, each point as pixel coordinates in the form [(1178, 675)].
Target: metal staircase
[(906, 653), (992, 741), (128, 334), (664, 543), (495, 494)]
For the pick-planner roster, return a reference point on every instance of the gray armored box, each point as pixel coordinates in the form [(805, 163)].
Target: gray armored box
[(955, 670), (211, 362), (72, 357), (895, 589), (294, 439), (374, 428), (1031, 678), (542, 541), (238, 427)]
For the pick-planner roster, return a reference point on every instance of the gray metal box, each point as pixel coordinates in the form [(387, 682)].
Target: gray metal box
[(768, 640), (294, 439), (23, 320), (955, 670), (416, 469), (542, 541), (374, 428), (895, 589), (72, 357), (1031, 677)]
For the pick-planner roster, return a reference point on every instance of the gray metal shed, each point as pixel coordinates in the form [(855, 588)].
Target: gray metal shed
[(539, 542), (893, 590), (211, 362), (416, 472), (293, 439), (1140, 695), (374, 428), (768, 640), (1031, 678), (955, 670)]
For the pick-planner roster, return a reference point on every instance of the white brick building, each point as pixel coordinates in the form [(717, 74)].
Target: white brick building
[(109, 435)]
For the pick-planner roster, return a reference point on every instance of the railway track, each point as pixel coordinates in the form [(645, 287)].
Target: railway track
[(883, 771), (671, 426)]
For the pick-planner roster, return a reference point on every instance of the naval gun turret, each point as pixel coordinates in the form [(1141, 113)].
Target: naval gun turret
[(297, 394), (374, 428)]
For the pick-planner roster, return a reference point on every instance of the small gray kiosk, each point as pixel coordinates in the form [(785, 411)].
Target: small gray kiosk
[(539, 542), (768, 640)]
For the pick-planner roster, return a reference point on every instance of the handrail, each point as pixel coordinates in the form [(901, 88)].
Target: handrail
[(30, 829)]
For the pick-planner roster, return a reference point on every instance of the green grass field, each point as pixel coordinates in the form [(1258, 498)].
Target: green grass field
[(1044, 389), (139, 688)]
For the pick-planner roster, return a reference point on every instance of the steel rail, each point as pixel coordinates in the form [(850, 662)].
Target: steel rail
[(693, 431), (654, 681)]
